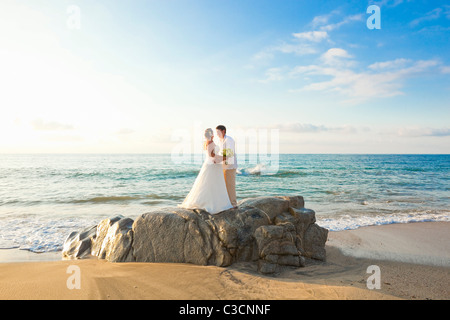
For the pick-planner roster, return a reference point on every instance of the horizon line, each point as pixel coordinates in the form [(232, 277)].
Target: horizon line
[(168, 153)]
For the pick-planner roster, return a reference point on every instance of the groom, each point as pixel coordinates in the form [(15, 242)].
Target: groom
[(229, 163)]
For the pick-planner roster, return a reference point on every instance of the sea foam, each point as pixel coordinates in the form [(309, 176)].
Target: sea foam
[(347, 222)]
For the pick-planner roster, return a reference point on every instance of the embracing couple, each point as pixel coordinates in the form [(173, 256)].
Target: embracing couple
[(214, 189)]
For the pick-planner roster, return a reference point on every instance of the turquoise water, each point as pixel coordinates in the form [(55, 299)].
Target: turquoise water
[(45, 196)]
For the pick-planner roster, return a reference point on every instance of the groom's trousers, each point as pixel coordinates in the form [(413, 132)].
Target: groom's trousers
[(230, 181)]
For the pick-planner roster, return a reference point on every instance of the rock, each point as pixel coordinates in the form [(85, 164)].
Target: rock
[(276, 245), (177, 235), (272, 231), (289, 260), (272, 206), (310, 238), (267, 267), (102, 231), (236, 228), (116, 245), (296, 202), (78, 244), (314, 242), (303, 215)]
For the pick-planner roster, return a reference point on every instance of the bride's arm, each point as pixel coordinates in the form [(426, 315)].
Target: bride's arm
[(218, 159), (211, 150)]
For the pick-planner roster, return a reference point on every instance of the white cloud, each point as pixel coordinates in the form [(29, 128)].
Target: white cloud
[(392, 64), (263, 55), (296, 48), (423, 132), (40, 125), (445, 69), (296, 127), (447, 11), (336, 57), (302, 45), (306, 43), (323, 19), (346, 20), (314, 36), (431, 15), (389, 3), (260, 59), (338, 71), (357, 87), (273, 74), (323, 22)]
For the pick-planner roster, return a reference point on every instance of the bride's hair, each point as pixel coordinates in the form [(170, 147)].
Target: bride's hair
[(208, 134)]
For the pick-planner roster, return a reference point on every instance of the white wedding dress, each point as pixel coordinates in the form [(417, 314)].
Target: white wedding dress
[(209, 191)]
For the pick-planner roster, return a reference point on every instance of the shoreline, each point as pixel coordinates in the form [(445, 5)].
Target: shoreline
[(413, 258), (423, 243), (362, 242), (15, 255)]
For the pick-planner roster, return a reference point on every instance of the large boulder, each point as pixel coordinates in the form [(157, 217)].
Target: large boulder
[(101, 232), (177, 235), (271, 231), (78, 244), (117, 241)]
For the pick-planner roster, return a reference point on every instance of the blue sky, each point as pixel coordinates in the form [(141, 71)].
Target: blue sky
[(139, 76)]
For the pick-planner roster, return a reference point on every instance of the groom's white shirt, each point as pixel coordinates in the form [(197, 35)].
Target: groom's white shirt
[(228, 143)]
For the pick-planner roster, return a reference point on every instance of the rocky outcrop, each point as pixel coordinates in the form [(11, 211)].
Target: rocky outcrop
[(273, 231)]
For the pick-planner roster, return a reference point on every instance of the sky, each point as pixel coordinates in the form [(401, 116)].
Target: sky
[(106, 76)]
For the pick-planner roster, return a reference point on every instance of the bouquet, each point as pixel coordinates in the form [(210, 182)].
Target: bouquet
[(227, 153)]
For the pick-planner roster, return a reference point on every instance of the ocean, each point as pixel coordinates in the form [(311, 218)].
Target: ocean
[(43, 197)]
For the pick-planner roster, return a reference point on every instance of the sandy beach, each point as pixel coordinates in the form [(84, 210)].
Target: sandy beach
[(413, 260)]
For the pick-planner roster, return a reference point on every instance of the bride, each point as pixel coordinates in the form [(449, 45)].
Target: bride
[(209, 191)]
